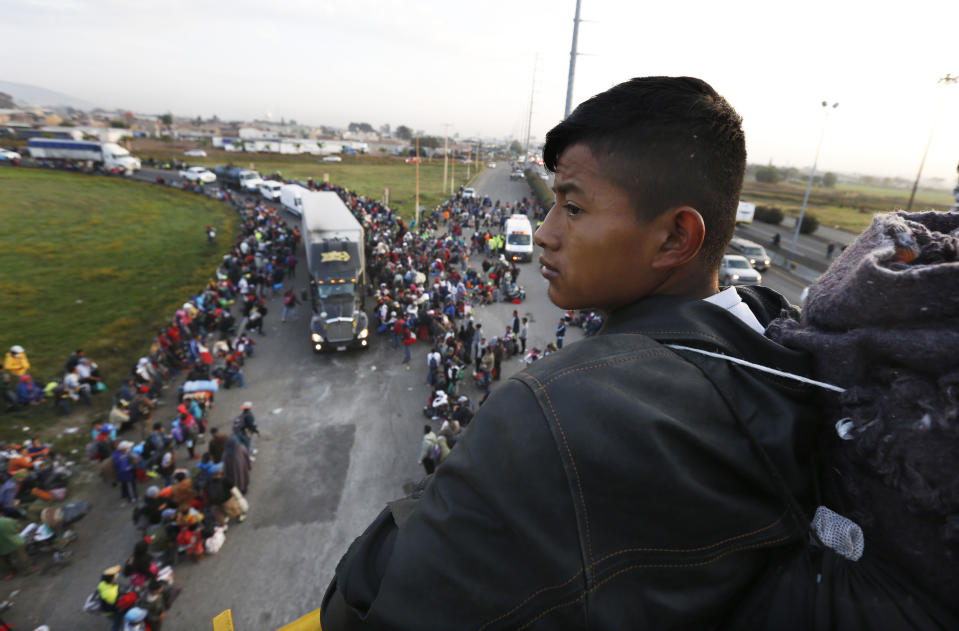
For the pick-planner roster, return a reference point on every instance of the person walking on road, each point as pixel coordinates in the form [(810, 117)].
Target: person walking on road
[(289, 305), (427, 447), (523, 332), (409, 338)]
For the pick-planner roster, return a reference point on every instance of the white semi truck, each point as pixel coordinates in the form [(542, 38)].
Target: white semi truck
[(103, 155)]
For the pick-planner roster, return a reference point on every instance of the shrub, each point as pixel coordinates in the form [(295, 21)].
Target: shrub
[(768, 175), (810, 223), (769, 214), (539, 187)]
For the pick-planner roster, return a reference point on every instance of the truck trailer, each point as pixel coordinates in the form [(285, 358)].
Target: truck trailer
[(103, 155), (333, 239)]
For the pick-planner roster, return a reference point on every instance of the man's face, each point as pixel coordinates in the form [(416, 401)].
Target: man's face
[(596, 253)]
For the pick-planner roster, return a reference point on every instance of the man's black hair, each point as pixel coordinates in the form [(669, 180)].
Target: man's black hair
[(668, 141)]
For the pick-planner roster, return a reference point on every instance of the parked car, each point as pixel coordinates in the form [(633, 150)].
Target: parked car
[(198, 174), (491, 165), (7, 154), (195, 153), (754, 252), (736, 270), (332, 159)]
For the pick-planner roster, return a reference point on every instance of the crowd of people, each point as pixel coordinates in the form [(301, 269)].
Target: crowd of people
[(78, 381), (191, 494), (427, 291)]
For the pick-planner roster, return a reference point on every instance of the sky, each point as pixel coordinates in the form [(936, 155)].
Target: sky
[(472, 67)]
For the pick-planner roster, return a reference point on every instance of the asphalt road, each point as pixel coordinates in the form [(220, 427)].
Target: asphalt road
[(340, 438)]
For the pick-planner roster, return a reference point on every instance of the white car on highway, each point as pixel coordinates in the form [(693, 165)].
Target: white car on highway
[(199, 174), (195, 153), (332, 159), (270, 189), (736, 270)]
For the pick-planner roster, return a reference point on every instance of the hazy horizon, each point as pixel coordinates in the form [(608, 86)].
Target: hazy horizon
[(431, 64)]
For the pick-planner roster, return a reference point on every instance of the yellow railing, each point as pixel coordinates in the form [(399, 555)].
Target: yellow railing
[(309, 622)]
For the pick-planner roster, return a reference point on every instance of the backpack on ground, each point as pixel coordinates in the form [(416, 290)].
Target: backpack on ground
[(94, 604)]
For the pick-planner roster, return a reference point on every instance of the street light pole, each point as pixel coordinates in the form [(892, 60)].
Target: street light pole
[(417, 209), (912, 196), (572, 63), (805, 199), (446, 155)]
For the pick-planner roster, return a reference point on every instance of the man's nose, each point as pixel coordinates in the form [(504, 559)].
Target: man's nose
[(546, 236)]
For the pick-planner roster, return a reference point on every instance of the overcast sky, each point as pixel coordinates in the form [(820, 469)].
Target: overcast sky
[(427, 63)]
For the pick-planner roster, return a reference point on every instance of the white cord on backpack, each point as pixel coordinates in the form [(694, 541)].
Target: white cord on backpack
[(760, 367)]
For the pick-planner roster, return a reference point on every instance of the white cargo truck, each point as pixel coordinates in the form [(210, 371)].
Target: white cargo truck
[(745, 212), (291, 198), (103, 155)]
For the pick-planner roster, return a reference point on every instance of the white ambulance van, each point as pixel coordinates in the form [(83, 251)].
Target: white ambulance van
[(519, 238)]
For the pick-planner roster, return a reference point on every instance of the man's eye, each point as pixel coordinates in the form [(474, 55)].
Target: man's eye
[(572, 209)]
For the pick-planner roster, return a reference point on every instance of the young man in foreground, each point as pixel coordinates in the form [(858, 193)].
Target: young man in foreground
[(614, 485)]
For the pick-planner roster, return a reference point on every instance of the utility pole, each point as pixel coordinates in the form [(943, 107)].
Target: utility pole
[(946, 80), (572, 63), (532, 90), (417, 209), (469, 163), (805, 199), (446, 154)]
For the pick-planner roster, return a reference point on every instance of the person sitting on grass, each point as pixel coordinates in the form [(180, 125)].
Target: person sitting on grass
[(28, 392), (16, 362), (8, 393), (13, 548), (76, 390)]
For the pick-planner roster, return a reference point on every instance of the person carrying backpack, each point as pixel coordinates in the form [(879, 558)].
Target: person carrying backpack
[(619, 483)]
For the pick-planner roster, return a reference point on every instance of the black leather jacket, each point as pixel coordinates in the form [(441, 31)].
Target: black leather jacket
[(609, 486)]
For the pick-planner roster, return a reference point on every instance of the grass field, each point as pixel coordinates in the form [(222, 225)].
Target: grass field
[(366, 174), (97, 263), (847, 206)]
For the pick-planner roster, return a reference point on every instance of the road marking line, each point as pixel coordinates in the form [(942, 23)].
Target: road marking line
[(786, 277)]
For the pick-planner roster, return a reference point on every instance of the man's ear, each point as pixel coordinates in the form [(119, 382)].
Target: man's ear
[(685, 231)]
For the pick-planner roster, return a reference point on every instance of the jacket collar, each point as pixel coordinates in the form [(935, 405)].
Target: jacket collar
[(693, 322)]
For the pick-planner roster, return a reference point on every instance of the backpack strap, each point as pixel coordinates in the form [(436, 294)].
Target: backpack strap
[(785, 494)]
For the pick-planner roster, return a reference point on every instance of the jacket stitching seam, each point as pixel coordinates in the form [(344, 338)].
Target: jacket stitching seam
[(647, 565), (529, 598), (569, 452), (542, 385), (699, 549), (626, 551), (668, 332)]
